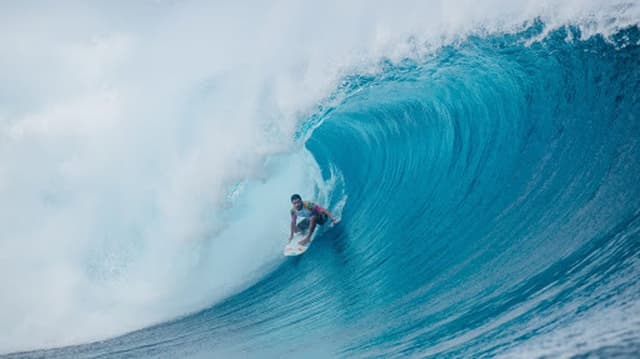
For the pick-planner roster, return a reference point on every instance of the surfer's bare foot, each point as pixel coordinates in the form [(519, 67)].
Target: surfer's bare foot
[(304, 241)]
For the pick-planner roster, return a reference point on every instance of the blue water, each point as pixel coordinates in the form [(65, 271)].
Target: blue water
[(493, 209)]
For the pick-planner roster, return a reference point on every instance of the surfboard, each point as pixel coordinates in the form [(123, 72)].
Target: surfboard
[(293, 248)]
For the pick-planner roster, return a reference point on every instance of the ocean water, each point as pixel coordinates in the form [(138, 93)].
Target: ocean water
[(485, 164)]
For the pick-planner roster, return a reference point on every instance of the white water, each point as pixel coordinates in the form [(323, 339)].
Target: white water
[(124, 127)]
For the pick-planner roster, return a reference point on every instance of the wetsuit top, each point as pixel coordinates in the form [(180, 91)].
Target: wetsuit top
[(308, 209)]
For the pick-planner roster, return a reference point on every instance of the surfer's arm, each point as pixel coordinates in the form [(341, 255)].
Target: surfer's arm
[(326, 211), (293, 225), (331, 217)]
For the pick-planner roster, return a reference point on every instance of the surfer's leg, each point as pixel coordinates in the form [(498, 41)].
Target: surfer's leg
[(303, 225), (312, 226)]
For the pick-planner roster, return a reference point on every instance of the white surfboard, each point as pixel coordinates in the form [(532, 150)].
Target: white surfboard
[(293, 248)]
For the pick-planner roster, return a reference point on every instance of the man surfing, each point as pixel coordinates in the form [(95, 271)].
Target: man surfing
[(312, 214)]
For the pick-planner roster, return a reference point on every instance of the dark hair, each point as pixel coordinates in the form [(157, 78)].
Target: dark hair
[(295, 196)]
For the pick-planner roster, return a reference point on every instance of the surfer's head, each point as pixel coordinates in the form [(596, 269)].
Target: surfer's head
[(296, 200)]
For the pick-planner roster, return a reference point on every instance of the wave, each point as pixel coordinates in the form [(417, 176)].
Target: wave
[(492, 198), (485, 174)]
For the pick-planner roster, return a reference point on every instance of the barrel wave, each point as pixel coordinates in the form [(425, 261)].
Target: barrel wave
[(490, 190), (490, 206)]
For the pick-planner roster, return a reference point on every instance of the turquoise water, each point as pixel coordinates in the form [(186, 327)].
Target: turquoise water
[(493, 210)]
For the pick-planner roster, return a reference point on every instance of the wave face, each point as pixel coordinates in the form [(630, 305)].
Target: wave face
[(490, 206), (493, 199)]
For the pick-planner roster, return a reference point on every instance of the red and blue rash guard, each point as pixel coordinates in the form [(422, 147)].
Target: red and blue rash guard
[(308, 209)]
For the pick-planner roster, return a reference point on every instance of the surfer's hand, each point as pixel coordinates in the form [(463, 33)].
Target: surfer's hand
[(335, 221)]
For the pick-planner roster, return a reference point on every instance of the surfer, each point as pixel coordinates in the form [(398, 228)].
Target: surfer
[(312, 214)]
